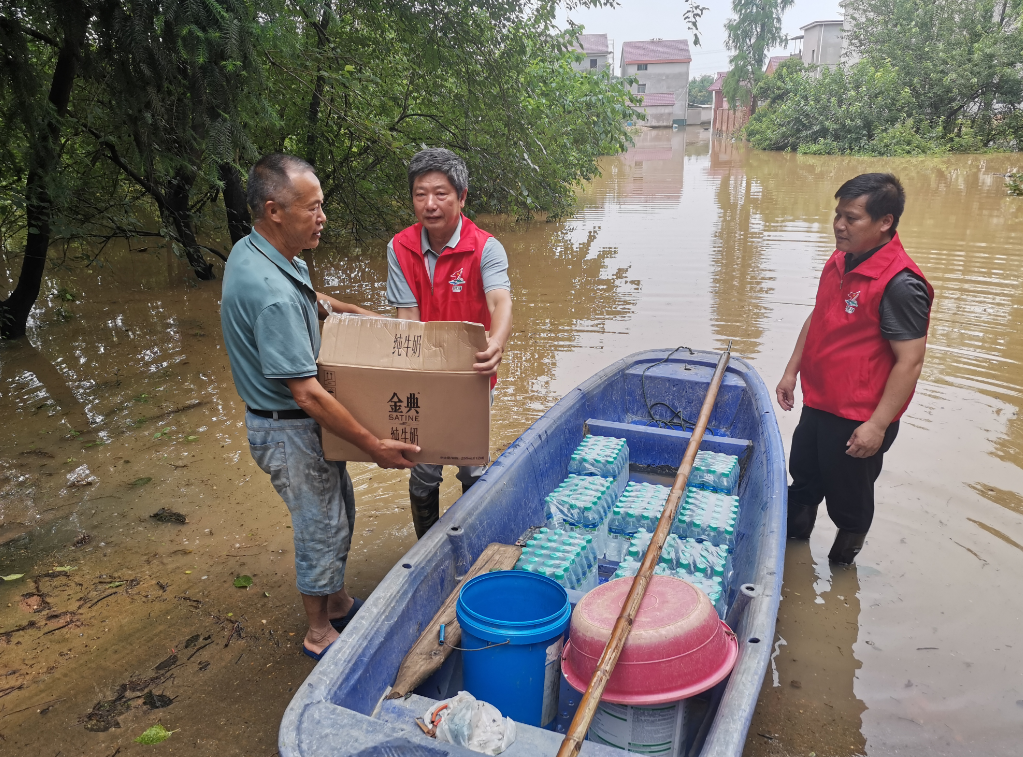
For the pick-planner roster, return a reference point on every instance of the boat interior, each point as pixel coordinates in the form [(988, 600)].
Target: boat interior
[(652, 400)]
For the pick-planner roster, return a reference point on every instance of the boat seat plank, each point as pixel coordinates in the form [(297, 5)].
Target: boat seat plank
[(427, 655), (650, 445)]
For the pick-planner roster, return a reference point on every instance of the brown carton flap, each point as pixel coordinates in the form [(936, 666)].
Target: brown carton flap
[(354, 340)]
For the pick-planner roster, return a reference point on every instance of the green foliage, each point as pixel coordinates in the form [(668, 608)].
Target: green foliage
[(243, 582), (171, 101), (698, 94), (1014, 184), (755, 28), (154, 735), (933, 77)]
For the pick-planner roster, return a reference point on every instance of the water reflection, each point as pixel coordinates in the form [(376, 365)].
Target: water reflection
[(808, 703), (739, 280)]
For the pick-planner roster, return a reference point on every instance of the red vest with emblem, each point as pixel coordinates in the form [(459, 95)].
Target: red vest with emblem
[(456, 293), (846, 360)]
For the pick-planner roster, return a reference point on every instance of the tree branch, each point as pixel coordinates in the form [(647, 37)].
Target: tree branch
[(115, 157)]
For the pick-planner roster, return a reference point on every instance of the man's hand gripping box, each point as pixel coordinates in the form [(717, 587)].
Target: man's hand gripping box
[(409, 381)]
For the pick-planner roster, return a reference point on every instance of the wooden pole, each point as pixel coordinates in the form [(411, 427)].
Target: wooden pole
[(573, 741)]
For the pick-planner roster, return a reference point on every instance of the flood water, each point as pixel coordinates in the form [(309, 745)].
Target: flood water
[(121, 402)]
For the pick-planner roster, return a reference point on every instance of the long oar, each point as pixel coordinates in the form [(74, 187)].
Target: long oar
[(591, 698)]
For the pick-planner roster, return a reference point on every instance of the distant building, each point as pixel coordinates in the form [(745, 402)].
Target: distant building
[(822, 43), (659, 108), (716, 92), (662, 67), (725, 120), (775, 61), (597, 48)]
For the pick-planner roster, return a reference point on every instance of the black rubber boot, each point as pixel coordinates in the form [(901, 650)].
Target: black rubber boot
[(800, 520), (847, 545), (425, 511), (467, 486)]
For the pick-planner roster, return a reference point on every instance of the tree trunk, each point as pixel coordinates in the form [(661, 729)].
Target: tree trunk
[(316, 100), (180, 217), (14, 311), (239, 224)]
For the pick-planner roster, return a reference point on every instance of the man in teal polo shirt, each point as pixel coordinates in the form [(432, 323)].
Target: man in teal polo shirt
[(269, 313)]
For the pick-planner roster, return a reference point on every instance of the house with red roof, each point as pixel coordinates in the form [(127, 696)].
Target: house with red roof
[(599, 52), (777, 60), (725, 119), (661, 67)]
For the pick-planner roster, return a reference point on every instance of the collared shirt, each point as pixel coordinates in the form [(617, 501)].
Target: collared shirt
[(493, 267), (271, 329), (905, 305)]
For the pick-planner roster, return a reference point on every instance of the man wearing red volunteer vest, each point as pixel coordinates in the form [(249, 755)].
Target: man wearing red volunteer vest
[(859, 355), (445, 268)]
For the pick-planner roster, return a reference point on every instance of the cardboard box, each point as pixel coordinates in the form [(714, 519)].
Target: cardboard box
[(410, 381)]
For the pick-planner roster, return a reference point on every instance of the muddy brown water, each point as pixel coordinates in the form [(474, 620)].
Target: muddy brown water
[(121, 402)]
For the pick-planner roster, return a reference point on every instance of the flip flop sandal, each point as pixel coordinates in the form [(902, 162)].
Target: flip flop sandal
[(316, 656), (340, 624)]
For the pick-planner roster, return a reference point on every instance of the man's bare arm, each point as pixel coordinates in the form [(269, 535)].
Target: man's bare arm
[(333, 416), (909, 360), (786, 390), (336, 306), (499, 302), (409, 314)]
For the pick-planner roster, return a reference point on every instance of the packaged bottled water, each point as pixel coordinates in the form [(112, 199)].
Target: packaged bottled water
[(582, 505), (604, 456), (715, 471), (710, 516), (714, 587), (568, 558), (696, 558)]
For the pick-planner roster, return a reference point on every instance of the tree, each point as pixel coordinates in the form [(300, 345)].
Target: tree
[(120, 111), (40, 43), (173, 79), (753, 31), (698, 94), (959, 57), (933, 77)]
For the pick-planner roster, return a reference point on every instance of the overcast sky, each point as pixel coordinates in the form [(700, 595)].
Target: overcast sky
[(645, 19)]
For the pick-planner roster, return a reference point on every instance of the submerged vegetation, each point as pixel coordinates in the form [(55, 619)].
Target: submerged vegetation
[(118, 112), (931, 77)]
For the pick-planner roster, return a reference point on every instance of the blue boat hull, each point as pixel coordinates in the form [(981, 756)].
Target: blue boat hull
[(339, 709)]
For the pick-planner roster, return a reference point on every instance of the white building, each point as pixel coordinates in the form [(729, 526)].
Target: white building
[(599, 52), (822, 43), (662, 67)]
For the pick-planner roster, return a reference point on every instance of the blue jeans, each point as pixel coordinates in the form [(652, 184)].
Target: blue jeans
[(318, 493)]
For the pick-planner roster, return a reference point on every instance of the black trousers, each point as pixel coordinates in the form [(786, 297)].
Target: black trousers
[(821, 470)]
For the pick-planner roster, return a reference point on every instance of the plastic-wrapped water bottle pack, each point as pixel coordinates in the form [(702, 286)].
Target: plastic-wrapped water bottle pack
[(713, 586), (715, 471), (604, 456), (581, 505), (638, 509), (568, 558), (710, 516), (693, 557)]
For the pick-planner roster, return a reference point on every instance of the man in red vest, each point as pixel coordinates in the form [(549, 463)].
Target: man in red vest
[(445, 268), (859, 353)]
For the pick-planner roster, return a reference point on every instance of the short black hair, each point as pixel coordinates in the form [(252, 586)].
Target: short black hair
[(884, 194), (439, 159), (270, 179)]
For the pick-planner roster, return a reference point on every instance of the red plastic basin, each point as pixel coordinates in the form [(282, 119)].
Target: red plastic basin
[(678, 646)]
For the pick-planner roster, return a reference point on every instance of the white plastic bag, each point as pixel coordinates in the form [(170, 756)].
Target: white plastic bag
[(465, 721)]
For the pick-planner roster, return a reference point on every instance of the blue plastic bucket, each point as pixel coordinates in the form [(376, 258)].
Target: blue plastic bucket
[(513, 630)]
